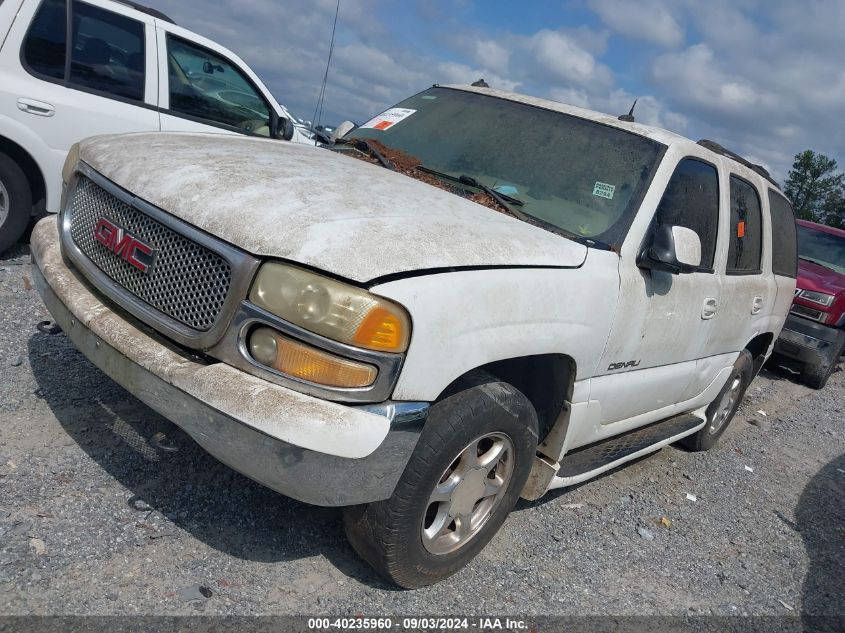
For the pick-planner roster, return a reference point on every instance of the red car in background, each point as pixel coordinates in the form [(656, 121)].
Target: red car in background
[(814, 334)]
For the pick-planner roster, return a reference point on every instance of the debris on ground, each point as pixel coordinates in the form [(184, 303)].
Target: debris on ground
[(195, 592), (749, 469), (645, 533), (691, 497), (786, 606), (38, 546)]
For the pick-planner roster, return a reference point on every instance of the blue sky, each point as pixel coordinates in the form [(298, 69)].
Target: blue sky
[(763, 77)]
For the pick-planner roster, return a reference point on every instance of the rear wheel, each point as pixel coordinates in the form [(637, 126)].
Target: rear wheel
[(15, 202), (722, 410), (464, 477)]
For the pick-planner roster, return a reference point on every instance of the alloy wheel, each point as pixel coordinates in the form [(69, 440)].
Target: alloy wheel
[(726, 406), (4, 203), (468, 492)]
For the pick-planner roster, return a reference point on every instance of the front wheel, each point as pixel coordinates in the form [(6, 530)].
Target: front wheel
[(464, 477), (15, 202), (816, 374), (722, 410)]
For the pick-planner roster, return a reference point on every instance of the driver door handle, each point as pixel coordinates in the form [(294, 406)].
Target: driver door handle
[(757, 305), (709, 309)]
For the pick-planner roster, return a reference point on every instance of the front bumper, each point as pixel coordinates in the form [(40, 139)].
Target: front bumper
[(306, 448), (806, 341)]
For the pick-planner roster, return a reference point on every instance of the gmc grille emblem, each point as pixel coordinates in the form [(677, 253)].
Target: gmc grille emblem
[(125, 245)]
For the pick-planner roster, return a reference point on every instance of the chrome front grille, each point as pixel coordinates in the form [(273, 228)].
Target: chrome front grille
[(188, 282)]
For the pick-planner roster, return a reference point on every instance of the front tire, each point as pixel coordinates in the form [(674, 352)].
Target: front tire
[(464, 477), (722, 410), (816, 375), (15, 202)]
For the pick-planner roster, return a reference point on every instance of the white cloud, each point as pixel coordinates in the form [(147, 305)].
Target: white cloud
[(491, 54), (648, 20), (564, 59), (765, 79)]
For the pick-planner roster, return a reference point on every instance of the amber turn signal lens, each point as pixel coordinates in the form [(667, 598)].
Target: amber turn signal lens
[(382, 330), (298, 360)]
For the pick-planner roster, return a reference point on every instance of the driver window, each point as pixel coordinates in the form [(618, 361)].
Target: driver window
[(208, 87), (691, 200)]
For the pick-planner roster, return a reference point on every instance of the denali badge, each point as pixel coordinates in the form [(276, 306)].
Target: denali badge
[(628, 365), (130, 248)]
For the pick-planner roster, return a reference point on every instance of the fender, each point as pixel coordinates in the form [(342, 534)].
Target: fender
[(503, 314), (49, 160)]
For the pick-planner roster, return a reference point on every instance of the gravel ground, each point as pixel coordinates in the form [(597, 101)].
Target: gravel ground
[(95, 520)]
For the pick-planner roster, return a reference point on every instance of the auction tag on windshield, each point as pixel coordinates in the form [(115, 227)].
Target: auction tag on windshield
[(388, 118), (604, 190)]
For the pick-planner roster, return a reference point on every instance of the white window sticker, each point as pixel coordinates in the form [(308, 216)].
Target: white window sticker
[(388, 118), (604, 190)]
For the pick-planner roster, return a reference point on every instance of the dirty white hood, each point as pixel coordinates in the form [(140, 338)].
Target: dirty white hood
[(313, 206)]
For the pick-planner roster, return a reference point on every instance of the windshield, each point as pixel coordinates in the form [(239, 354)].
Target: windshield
[(823, 248), (579, 176)]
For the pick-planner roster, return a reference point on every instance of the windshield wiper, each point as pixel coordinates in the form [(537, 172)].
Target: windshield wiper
[(364, 146), (505, 201)]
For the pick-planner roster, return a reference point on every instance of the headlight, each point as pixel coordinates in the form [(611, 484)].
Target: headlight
[(821, 298), (70, 163), (330, 308)]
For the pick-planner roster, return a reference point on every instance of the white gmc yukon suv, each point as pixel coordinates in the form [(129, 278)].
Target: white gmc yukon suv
[(351, 336)]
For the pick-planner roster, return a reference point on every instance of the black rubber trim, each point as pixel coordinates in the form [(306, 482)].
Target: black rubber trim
[(594, 456), (422, 272)]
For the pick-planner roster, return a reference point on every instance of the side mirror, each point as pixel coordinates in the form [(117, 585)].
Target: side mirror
[(283, 128), (672, 249), (343, 129)]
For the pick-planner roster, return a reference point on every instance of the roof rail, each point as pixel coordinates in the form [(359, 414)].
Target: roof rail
[(759, 169), (140, 7)]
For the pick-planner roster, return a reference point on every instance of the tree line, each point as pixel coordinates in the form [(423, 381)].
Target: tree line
[(817, 189)]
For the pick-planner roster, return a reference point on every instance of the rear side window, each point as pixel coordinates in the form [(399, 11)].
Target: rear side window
[(46, 42), (108, 52), (691, 200), (784, 241), (746, 236)]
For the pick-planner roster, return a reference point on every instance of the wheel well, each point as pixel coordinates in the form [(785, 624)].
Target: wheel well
[(758, 346), (30, 168), (545, 379)]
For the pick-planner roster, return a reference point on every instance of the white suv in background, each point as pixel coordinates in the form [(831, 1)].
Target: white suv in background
[(120, 67)]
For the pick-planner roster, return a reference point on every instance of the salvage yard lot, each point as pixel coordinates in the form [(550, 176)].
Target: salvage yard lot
[(97, 518)]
